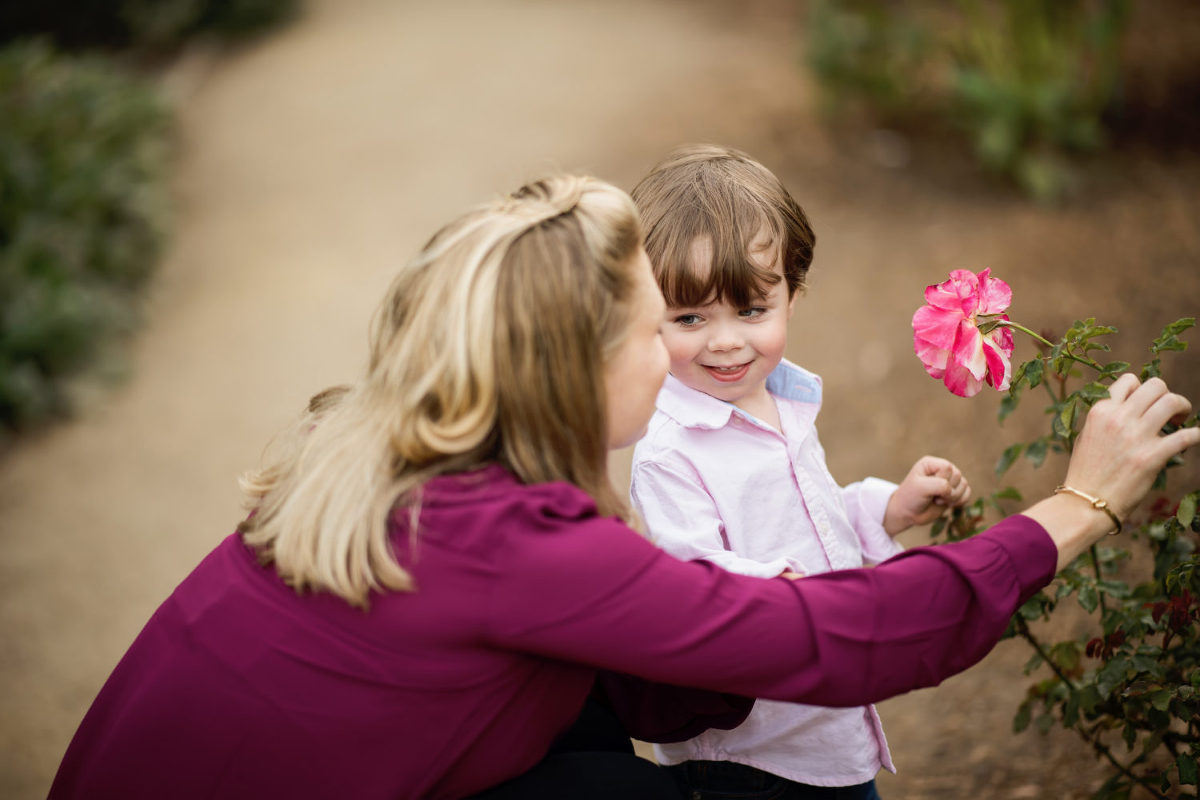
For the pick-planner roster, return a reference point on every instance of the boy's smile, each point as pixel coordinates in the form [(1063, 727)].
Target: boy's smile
[(731, 374)]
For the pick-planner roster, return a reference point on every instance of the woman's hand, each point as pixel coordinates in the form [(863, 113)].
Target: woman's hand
[(1116, 458), (931, 486), (1121, 449)]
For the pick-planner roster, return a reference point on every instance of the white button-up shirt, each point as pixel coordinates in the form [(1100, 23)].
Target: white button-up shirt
[(715, 483)]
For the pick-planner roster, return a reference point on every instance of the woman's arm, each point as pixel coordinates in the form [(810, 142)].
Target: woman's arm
[(594, 593)]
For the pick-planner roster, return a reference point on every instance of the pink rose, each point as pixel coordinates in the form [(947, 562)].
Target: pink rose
[(956, 334)]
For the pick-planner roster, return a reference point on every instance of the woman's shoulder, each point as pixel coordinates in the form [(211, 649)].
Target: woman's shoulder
[(493, 488), (490, 514)]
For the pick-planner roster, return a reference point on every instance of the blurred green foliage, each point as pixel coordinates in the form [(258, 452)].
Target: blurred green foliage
[(1028, 81), (139, 24), (867, 51), (84, 154)]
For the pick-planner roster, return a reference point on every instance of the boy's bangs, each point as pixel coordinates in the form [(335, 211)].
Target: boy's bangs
[(732, 277)]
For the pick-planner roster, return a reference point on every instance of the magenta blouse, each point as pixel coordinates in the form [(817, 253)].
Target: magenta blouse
[(240, 687)]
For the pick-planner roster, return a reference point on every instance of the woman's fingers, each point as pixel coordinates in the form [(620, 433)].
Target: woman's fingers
[(1175, 443), (1123, 386), (1144, 396), (1170, 407)]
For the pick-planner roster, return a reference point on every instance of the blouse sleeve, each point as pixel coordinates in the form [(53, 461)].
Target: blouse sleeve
[(594, 592)]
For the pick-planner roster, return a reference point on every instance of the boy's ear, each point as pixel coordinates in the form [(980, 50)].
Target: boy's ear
[(792, 303)]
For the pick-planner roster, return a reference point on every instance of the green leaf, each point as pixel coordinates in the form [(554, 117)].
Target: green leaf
[(1035, 372), (1161, 699), (1113, 369), (1008, 404), (1187, 510), (1169, 340), (1023, 715), (1010, 455), (1033, 608), (1186, 764), (1071, 710), (1111, 675), (1118, 589), (1044, 723), (1089, 698), (1179, 326), (1007, 493), (1036, 451), (1089, 598), (1092, 392), (1062, 424), (1018, 377)]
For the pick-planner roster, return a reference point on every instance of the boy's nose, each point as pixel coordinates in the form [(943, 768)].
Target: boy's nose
[(724, 340)]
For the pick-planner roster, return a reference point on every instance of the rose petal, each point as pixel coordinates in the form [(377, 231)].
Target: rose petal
[(999, 368), (936, 326), (958, 293), (968, 350), (933, 358), (961, 382), (994, 294)]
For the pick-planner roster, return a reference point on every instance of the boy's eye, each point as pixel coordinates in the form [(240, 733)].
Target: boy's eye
[(687, 319), (751, 313)]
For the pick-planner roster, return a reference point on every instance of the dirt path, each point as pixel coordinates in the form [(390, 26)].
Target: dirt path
[(315, 161)]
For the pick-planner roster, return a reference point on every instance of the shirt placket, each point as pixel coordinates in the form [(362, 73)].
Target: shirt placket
[(797, 434)]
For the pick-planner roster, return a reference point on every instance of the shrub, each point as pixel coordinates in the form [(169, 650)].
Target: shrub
[(1129, 686), (83, 154), (140, 24), (1028, 81)]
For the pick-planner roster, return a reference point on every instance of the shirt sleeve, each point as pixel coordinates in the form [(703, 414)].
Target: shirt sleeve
[(595, 593), (866, 503), (681, 518)]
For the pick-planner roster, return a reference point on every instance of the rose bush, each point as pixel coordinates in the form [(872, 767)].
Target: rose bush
[(1128, 685)]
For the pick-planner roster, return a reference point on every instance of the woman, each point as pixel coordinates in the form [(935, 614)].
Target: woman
[(436, 566)]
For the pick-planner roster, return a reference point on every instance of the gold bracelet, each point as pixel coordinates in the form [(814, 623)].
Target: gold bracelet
[(1096, 503)]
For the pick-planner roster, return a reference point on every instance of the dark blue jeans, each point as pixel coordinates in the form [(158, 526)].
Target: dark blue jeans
[(725, 780), (593, 760)]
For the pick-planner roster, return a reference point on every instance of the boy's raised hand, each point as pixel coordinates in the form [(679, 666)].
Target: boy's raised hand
[(931, 486)]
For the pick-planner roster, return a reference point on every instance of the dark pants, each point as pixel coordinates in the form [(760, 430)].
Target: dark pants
[(593, 760), (725, 780)]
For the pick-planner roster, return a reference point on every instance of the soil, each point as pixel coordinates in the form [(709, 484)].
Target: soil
[(315, 160)]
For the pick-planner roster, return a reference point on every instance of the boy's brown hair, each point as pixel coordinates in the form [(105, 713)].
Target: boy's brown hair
[(718, 194)]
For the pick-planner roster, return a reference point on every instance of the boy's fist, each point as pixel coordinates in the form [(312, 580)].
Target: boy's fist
[(930, 487)]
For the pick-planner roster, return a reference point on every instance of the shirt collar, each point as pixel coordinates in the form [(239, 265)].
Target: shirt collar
[(695, 409)]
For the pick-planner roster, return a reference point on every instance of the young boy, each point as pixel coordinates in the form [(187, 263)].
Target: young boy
[(731, 470)]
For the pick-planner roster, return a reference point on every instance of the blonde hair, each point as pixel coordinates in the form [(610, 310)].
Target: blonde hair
[(724, 196), (490, 346)]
